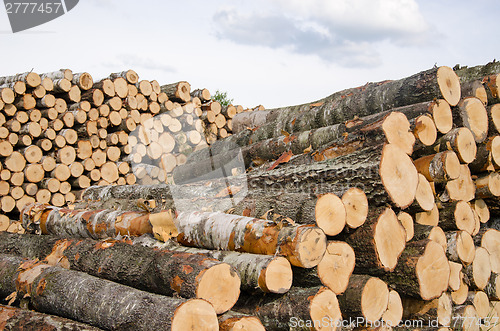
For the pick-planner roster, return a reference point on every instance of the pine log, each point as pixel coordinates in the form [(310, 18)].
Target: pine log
[(365, 296), (422, 271), (166, 272), (267, 273), (434, 233), (475, 89), (302, 245), (385, 174), (456, 276), (79, 296), (329, 141), (381, 238), (12, 318), (202, 94), (492, 289), (488, 186), (315, 308), (465, 317)]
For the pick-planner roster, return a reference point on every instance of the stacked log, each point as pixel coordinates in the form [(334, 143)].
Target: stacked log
[(61, 132), (382, 218)]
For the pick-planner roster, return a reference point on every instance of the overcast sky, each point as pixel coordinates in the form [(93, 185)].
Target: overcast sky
[(269, 52)]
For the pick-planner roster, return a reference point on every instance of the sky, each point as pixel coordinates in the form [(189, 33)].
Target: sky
[(261, 52)]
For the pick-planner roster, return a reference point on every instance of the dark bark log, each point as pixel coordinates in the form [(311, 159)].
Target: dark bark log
[(378, 243), (12, 318), (163, 272), (266, 273), (99, 302), (232, 321), (308, 308), (422, 271)]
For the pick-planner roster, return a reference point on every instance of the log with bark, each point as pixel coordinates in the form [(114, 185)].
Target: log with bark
[(266, 273), (302, 245), (186, 274), (12, 318), (422, 270), (81, 297)]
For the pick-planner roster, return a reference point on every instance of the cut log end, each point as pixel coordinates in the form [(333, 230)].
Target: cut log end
[(475, 117), (330, 214), (481, 268), (356, 207), (465, 145), (491, 241), (219, 285), (465, 247), (399, 175), (195, 314), (449, 85), (407, 223), (390, 239), (277, 277), (424, 195), (325, 306), (433, 271), (240, 323), (337, 266)]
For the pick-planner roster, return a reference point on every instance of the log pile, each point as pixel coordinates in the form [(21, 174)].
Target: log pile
[(62, 132), (376, 206)]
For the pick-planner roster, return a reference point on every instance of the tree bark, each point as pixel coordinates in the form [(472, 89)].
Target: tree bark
[(365, 296), (96, 224), (12, 318), (79, 296), (189, 275), (266, 273), (381, 240), (422, 271), (300, 307), (302, 245), (361, 101)]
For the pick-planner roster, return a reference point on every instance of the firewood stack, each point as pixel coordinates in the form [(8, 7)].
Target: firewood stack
[(377, 205), (62, 132)]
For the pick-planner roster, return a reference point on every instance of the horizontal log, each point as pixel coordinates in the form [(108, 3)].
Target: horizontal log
[(79, 296)]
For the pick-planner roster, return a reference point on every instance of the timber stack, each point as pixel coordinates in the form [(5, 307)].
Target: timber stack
[(375, 207), (61, 132)]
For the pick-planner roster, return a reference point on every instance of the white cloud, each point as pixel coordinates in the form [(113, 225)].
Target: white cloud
[(339, 31)]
